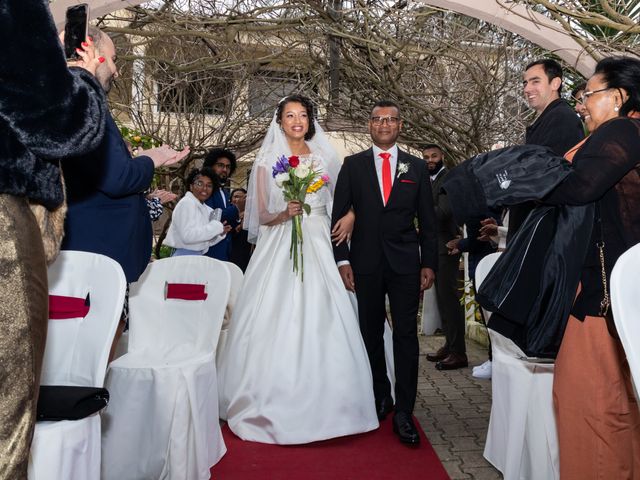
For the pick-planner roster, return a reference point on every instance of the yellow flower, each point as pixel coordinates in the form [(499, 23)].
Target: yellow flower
[(137, 138), (315, 186)]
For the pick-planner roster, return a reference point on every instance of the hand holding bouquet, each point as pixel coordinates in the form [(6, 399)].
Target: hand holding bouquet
[(296, 180)]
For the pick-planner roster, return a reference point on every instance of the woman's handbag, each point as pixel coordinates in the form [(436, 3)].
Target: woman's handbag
[(51, 224), (67, 402)]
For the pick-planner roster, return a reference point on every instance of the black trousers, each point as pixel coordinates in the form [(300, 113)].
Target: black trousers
[(403, 292), (448, 294)]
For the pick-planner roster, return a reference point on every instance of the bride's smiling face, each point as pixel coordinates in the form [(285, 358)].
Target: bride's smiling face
[(294, 121)]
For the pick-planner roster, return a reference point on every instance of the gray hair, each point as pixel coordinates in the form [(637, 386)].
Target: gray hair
[(97, 35)]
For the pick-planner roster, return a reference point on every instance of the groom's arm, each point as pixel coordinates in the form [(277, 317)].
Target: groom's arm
[(427, 223), (341, 204)]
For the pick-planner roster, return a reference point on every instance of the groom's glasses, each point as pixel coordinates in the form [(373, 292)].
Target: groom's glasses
[(392, 121)]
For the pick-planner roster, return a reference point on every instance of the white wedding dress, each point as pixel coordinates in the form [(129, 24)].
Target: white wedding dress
[(295, 368)]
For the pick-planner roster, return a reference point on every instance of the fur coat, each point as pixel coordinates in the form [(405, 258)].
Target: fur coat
[(47, 111)]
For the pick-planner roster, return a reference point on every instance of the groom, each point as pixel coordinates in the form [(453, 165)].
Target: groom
[(388, 189)]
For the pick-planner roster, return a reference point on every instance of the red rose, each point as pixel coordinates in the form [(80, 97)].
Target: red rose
[(294, 161)]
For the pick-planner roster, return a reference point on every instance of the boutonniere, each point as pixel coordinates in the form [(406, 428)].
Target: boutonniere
[(402, 168)]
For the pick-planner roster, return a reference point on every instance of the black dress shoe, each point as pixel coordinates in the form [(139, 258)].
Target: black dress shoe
[(405, 429), (453, 361), (441, 354), (384, 407)]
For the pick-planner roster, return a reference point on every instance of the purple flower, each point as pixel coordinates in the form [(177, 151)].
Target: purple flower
[(281, 166)]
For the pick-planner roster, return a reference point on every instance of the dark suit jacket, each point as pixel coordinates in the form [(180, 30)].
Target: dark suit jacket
[(230, 214), (386, 231), (447, 228), (559, 128), (107, 209)]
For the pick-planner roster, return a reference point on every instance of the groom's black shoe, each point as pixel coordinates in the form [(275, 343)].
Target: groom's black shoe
[(383, 407), (405, 429)]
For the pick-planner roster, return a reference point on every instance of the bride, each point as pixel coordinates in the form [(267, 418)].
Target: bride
[(295, 368)]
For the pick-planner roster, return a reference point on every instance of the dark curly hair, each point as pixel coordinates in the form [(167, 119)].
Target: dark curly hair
[(622, 73), (204, 172), (308, 106), (216, 153)]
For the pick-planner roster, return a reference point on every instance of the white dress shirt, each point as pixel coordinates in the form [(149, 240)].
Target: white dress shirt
[(224, 197), (433, 177), (393, 160)]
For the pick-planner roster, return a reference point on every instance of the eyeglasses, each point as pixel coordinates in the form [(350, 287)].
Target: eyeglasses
[(586, 95), (391, 121), (225, 166), (201, 184)]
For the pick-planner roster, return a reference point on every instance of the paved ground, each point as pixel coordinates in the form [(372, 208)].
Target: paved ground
[(453, 409)]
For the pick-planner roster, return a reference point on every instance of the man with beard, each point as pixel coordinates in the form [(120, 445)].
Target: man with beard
[(223, 164), (105, 189), (452, 354)]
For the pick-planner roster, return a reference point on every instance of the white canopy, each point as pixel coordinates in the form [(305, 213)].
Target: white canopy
[(516, 18)]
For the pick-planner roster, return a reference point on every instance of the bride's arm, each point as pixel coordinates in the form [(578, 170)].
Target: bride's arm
[(343, 228), (262, 195)]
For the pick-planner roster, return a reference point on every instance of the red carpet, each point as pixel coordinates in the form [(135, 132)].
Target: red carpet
[(376, 455)]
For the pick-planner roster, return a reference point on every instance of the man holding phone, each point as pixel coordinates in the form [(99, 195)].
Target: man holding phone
[(107, 211)]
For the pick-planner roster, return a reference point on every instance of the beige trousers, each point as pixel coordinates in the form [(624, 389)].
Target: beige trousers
[(596, 411)]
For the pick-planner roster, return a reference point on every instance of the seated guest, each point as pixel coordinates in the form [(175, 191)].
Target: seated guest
[(223, 164), (193, 229), (240, 246)]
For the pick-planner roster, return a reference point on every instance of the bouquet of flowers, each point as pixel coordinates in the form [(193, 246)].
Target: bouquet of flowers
[(296, 179)]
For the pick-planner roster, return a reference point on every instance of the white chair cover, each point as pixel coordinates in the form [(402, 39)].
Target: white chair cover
[(236, 277), (625, 291), (430, 319), (76, 353), (521, 440), (482, 270), (162, 420)]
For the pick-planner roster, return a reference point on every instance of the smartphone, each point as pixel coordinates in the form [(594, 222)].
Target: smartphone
[(75, 29)]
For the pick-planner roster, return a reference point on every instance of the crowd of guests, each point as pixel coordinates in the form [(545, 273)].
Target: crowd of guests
[(108, 212), (595, 406)]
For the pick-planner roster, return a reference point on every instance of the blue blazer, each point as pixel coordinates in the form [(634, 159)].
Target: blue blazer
[(107, 209), (230, 214)]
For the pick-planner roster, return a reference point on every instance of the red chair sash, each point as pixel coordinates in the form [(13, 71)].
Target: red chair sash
[(63, 308), (186, 291)]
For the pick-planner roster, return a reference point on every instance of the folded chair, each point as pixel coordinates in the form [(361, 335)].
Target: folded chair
[(522, 439), (86, 294), (162, 420)]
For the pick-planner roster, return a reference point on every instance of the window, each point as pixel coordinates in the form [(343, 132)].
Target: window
[(268, 87), (194, 93)]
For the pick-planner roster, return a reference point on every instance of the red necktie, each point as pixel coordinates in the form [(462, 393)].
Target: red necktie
[(386, 175)]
